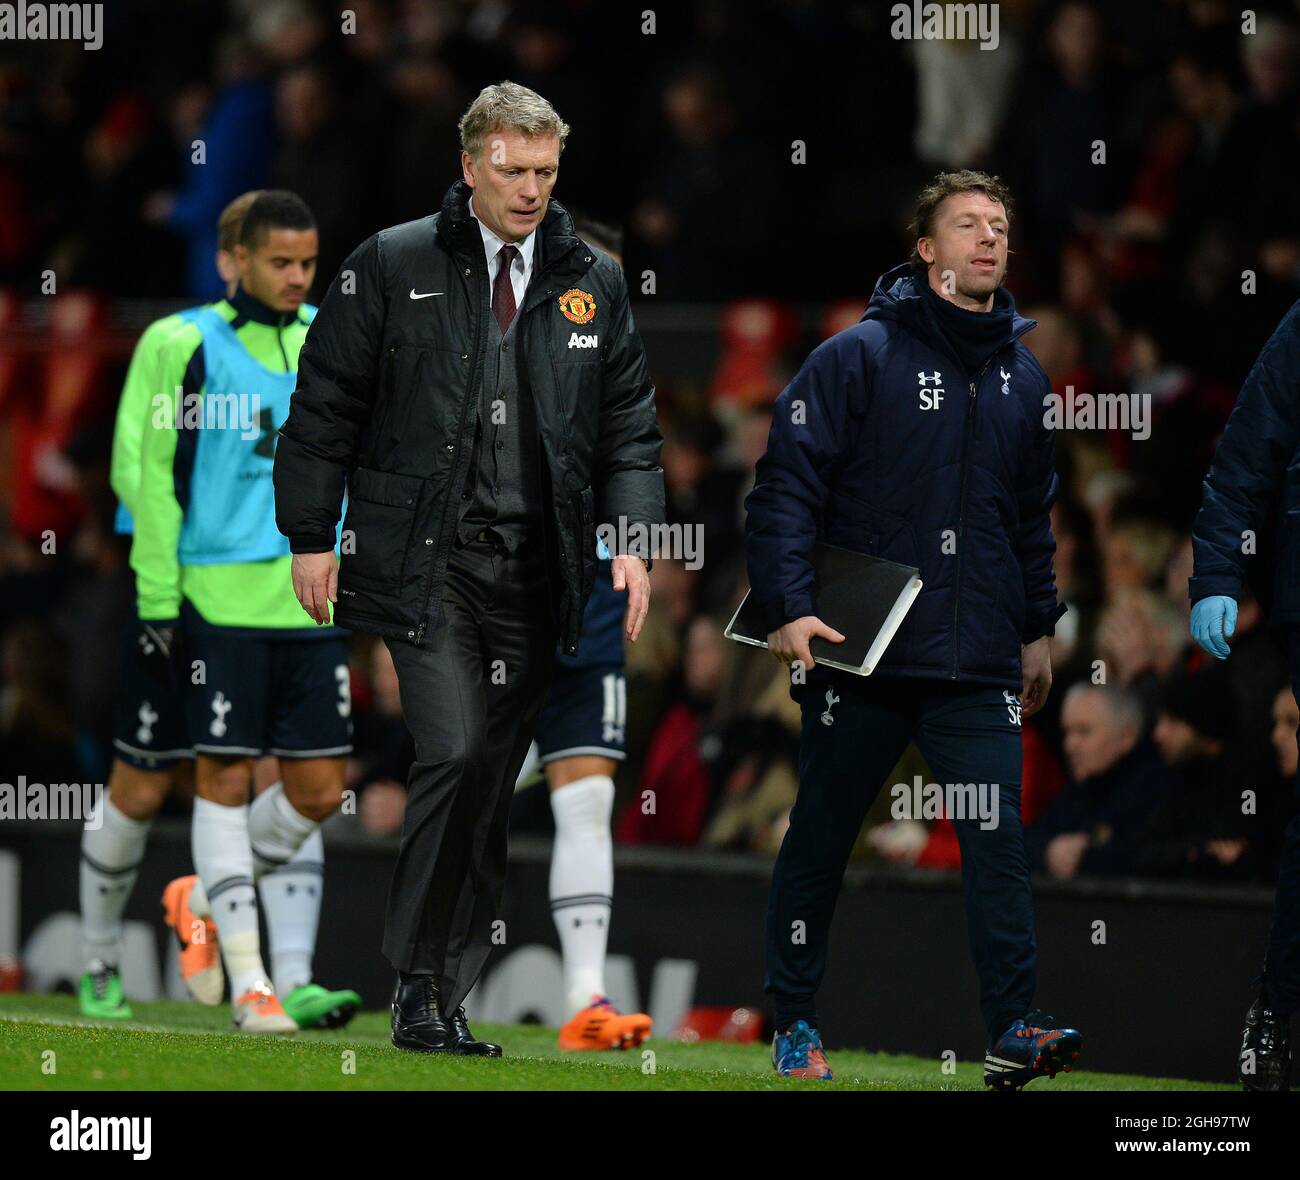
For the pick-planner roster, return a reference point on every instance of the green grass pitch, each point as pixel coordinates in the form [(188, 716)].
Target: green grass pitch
[(173, 1046)]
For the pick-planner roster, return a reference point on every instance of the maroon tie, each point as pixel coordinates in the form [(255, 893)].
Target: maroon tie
[(503, 290)]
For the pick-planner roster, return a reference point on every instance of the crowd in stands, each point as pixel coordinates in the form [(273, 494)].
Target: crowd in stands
[(1156, 268)]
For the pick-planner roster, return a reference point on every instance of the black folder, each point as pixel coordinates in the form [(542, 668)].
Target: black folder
[(864, 598)]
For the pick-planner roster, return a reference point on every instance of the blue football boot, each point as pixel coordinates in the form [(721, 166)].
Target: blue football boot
[(1029, 1049), (797, 1053)]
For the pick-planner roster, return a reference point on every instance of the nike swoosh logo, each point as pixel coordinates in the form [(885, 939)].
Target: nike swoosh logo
[(426, 294)]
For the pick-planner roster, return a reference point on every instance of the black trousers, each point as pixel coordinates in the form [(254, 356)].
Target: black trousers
[(470, 697), (1281, 976), (854, 731)]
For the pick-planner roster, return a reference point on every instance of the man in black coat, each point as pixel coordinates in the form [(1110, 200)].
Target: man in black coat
[(475, 383)]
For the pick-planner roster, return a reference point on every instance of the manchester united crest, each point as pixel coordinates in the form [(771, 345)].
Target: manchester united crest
[(579, 306)]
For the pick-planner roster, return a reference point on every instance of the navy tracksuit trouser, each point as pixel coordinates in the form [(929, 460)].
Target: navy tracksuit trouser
[(1281, 978), (854, 731)]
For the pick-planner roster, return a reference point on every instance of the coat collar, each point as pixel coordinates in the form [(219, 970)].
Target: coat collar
[(897, 297), (555, 236)]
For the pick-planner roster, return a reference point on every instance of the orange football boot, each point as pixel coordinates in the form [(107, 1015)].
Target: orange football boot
[(602, 1026), (200, 957), (260, 1011)]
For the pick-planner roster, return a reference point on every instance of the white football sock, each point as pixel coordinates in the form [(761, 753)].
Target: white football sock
[(276, 830), (110, 862), (223, 860), (582, 883), (291, 899)]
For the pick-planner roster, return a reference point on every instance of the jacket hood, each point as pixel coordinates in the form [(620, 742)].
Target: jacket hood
[(897, 297)]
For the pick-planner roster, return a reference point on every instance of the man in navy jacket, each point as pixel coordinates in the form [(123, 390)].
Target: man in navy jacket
[(918, 435), (1255, 473)]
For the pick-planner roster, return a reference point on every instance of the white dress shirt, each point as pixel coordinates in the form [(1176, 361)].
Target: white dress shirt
[(522, 268)]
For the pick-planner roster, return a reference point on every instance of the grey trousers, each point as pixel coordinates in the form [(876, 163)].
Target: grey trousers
[(470, 696)]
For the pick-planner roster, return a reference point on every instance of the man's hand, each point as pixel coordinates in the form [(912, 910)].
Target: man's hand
[(791, 641), (1036, 668), (316, 583), (1064, 854), (1214, 619), (631, 575)]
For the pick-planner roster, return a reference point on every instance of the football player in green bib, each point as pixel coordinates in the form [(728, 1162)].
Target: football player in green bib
[(256, 676)]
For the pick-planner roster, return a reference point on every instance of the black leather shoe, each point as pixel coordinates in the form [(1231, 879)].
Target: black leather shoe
[(418, 1022), (465, 1042), (1265, 1060)]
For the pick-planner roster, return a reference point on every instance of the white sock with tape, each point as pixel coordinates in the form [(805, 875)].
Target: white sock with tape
[(291, 900), (110, 862), (582, 883), (223, 860)]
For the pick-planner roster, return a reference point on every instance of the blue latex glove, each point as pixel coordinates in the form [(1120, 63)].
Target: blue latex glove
[(1214, 619)]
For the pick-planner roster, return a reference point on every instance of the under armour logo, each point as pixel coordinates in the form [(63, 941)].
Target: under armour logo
[(220, 706), (148, 717), (831, 701), (930, 398)]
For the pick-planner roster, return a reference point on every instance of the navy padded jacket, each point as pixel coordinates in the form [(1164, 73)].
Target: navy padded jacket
[(962, 490), (1255, 473)]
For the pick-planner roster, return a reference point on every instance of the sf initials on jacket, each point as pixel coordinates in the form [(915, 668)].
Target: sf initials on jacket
[(883, 444), (388, 381)]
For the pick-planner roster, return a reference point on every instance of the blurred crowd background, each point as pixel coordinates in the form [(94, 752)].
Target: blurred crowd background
[(760, 159)]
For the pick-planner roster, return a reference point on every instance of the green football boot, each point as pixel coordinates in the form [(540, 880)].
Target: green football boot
[(311, 1006), (100, 993)]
